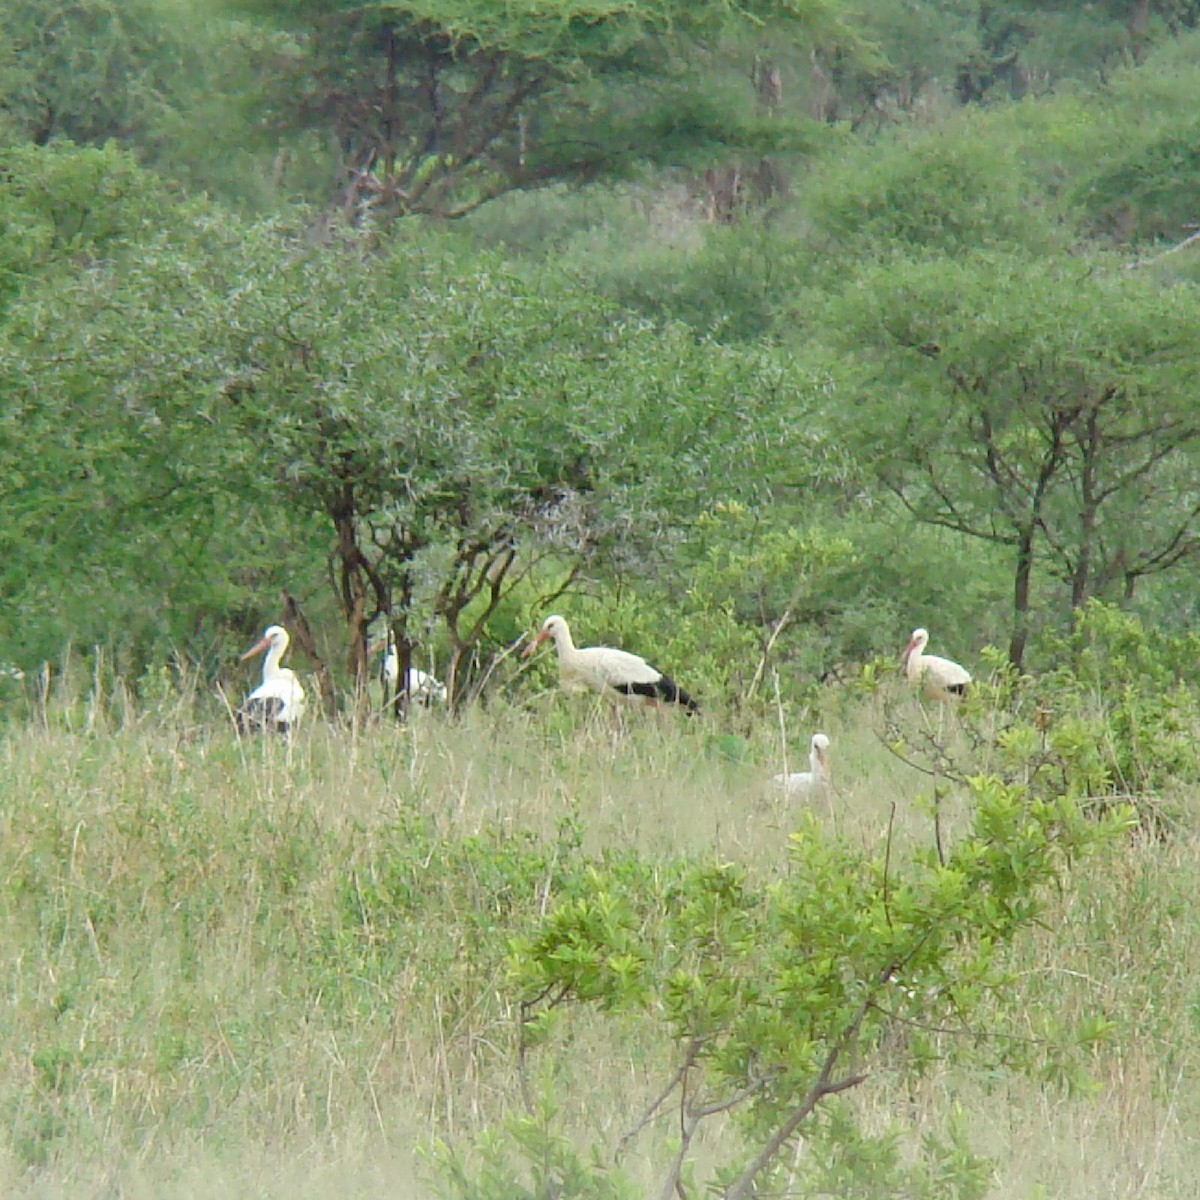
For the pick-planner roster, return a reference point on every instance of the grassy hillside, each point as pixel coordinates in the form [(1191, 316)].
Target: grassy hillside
[(261, 969)]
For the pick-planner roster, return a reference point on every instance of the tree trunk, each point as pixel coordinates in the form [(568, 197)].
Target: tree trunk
[(1020, 634), (1081, 577), (1139, 23), (351, 588), (397, 618), (297, 622), (1051, 461), (404, 648), (390, 103), (354, 601)]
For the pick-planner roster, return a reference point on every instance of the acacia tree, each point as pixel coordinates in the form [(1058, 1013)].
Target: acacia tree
[(62, 202), (1047, 409), (444, 420), (438, 106), (454, 421), (89, 70), (413, 405)]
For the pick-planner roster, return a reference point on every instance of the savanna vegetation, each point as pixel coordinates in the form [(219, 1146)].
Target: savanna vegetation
[(750, 336)]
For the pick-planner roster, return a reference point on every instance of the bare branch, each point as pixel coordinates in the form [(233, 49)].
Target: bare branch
[(1145, 262), (691, 1054)]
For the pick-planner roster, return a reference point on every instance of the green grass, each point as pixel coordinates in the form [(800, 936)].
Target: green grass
[(267, 969)]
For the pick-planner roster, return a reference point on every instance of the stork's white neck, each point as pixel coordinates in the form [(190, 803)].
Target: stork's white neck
[(563, 642), (271, 667), (912, 660)]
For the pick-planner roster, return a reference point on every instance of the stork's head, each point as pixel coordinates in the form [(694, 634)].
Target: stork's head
[(273, 636), (820, 743), (916, 644), (552, 627), (382, 641)]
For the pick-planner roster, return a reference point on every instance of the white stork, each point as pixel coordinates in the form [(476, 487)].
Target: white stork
[(623, 677), (939, 678), (816, 779), (422, 686), (278, 702)]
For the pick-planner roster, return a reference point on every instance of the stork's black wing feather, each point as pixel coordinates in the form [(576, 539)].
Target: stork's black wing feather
[(662, 688), (261, 715)]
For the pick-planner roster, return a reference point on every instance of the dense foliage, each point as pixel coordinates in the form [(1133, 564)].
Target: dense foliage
[(753, 335), (928, 328)]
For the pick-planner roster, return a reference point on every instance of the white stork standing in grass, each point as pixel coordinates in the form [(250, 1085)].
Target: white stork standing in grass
[(816, 779), (938, 678), (623, 677), (278, 702), (423, 687)]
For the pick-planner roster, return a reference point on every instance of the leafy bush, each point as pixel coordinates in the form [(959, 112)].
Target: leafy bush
[(69, 204), (1110, 724), (950, 190), (1148, 192), (777, 997)]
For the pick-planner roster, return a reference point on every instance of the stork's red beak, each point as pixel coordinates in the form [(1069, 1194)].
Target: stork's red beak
[(257, 648), (537, 641)]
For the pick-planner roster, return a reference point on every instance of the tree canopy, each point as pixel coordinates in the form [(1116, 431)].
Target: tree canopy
[(1048, 410), (445, 304)]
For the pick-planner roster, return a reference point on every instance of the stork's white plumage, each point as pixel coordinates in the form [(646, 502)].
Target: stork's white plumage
[(623, 677), (277, 704), (816, 779), (421, 685), (939, 678)]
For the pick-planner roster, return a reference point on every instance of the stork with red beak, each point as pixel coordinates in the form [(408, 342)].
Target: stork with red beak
[(278, 702), (623, 677), (938, 678)]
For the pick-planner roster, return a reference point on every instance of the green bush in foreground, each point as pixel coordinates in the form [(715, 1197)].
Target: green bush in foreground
[(778, 998)]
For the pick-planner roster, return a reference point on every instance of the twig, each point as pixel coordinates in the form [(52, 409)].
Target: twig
[(477, 690), (782, 722), (766, 654), (689, 1061), (978, 1035), (825, 1085), (525, 1008), (939, 768), (720, 1106), (937, 825)]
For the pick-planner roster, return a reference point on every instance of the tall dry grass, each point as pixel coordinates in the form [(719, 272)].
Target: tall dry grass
[(269, 968)]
